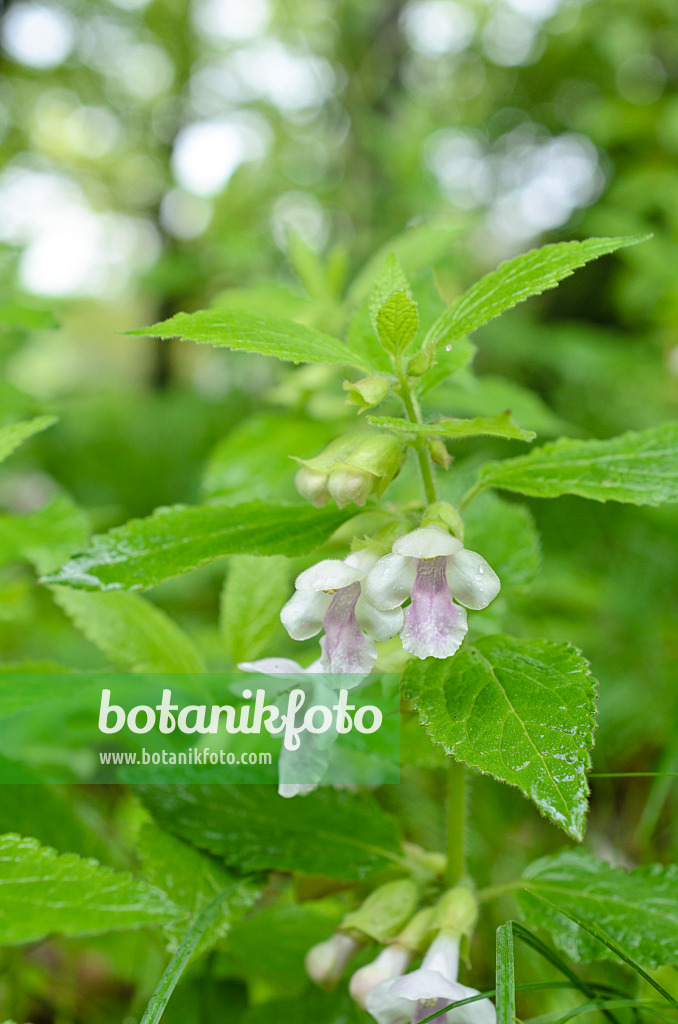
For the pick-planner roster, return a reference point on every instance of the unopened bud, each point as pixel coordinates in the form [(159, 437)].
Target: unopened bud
[(325, 963), (391, 963), (439, 453), (312, 486), (420, 362), (368, 392), (457, 910), (350, 486), (384, 912), (419, 931)]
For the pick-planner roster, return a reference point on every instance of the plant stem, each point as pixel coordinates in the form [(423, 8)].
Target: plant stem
[(456, 821), (175, 967), (470, 495), (414, 416)]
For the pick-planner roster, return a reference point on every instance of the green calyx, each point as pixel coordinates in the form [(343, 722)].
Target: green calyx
[(384, 913)]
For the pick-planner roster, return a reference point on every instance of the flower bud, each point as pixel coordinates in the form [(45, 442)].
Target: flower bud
[(350, 485), (439, 453), (420, 362), (391, 963), (457, 910), (368, 392), (325, 962), (384, 912), (419, 931), (312, 486)]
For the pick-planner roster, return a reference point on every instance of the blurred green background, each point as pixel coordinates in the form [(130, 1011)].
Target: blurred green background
[(164, 156)]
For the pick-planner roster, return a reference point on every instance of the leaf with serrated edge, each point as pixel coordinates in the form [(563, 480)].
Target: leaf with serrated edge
[(44, 892), (13, 434), (254, 592), (638, 908), (338, 834), (397, 322), (251, 331), (638, 468), (131, 632), (520, 710), (493, 426), (516, 280), (144, 552)]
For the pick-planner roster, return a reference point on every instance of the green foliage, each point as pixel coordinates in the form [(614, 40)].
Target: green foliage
[(45, 538), (638, 908), (172, 541), (45, 892), (191, 880), (493, 426), (505, 972), (520, 710), (505, 534), (397, 322), (338, 834), (249, 331), (639, 468), (14, 434), (254, 592), (133, 634), (516, 280)]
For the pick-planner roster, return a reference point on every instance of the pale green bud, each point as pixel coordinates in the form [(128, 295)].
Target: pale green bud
[(420, 362), (418, 933), (368, 392), (457, 910), (350, 486), (312, 486), (439, 453), (384, 912)]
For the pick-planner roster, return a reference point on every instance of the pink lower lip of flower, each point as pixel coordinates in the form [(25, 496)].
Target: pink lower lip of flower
[(345, 647), (426, 1007), (434, 625)]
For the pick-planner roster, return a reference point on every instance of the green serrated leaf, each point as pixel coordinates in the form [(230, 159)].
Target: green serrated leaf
[(250, 331), (638, 468), (132, 633), (493, 426), (338, 834), (516, 280), (390, 280), (254, 592), (520, 710), (191, 879), (638, 909), (174, 540), (14, 434), (397, 322), (44, 892), (44, 538)]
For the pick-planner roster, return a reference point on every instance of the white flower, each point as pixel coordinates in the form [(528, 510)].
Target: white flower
[(325, 962), (329, 596), (432, 567), (391, 963), (418, 995)]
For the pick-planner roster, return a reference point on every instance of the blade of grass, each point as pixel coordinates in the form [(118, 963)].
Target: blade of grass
[(595, 1007), (187, 947), (506, 982)]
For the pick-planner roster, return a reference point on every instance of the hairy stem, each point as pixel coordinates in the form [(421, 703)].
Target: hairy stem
[(414, 416), (456, 822)]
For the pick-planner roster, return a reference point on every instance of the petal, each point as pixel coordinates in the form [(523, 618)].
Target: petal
[(345, 647), (389, 583), (390, 963), (385, 1006), (271, 666), (330, 574), (290, 789), (471, 580), (362, 560), (423, 984), (482, 1012), (427, 542), (302, 616), (380, 625), (443, 955), (434, 626)]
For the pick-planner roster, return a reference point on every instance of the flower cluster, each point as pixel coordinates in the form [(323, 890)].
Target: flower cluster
[(359, 601)]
